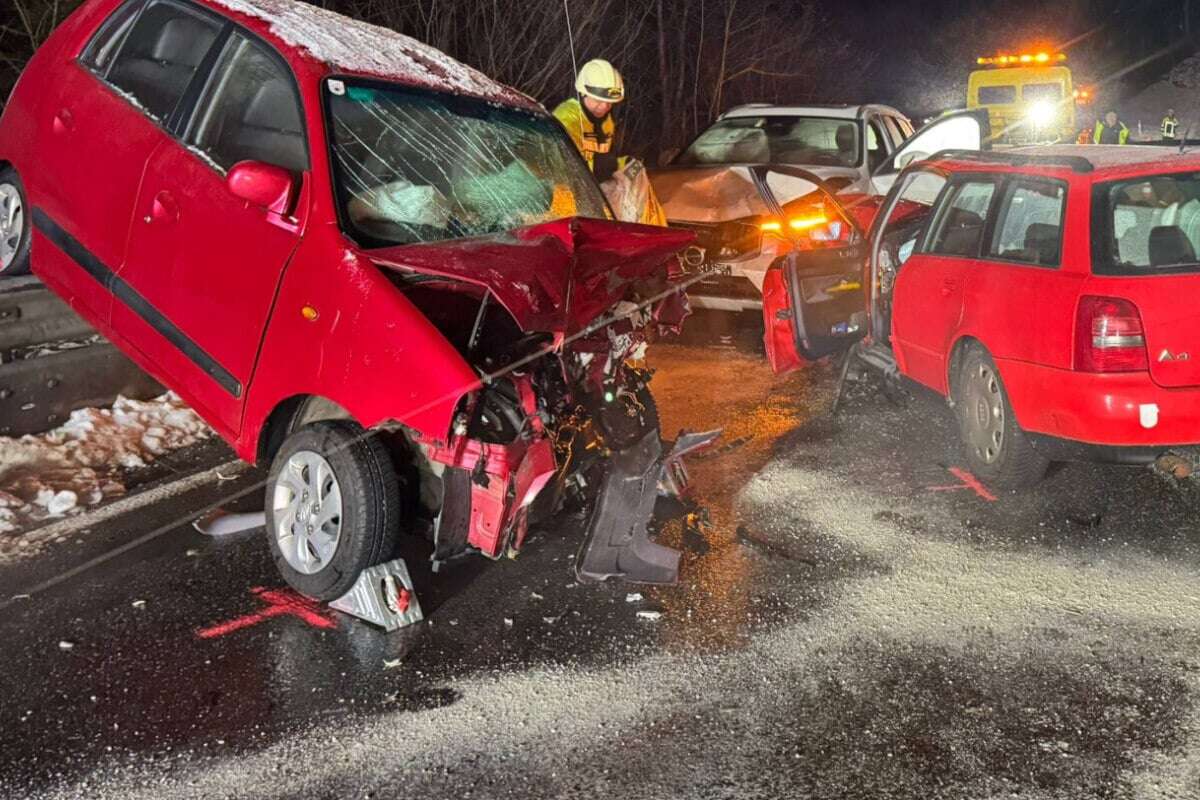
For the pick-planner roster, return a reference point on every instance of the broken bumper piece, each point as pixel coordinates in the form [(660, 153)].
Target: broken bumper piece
[(618, 543)]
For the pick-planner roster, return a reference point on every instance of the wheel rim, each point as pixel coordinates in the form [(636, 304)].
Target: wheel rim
[(983, 410), (12, 224), (307, 512)]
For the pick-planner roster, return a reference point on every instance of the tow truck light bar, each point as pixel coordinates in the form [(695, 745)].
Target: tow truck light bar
[(1023, 58)]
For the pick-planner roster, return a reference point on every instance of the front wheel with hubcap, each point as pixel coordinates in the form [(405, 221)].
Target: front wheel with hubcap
[(14, 225), (333, 507), (997, 450)]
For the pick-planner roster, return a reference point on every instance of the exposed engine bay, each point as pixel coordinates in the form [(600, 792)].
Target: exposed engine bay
[(562, 419)]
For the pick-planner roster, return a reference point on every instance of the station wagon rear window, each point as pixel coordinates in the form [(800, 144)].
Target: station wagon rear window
[(416, 166), (1147, 225)]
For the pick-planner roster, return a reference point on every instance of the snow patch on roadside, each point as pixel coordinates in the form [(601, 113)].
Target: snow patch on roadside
[(80, 463)]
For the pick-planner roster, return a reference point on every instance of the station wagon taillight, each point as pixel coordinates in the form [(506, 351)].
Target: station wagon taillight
[(1109, 336)]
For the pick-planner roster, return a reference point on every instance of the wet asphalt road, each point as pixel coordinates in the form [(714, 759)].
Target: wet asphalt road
[(852, 622)]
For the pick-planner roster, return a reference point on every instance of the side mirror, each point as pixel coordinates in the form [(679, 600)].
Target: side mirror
[(667, 156), (264, 185)]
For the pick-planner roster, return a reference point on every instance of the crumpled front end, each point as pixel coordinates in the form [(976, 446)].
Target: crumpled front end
[(555, 320)]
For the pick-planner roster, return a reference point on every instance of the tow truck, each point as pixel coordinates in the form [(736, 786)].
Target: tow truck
[(1030, 97)]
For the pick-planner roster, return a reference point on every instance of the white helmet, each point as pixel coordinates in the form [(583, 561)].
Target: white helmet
[(600, 80)]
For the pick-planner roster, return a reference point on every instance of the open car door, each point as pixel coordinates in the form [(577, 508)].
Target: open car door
[(957, 130), (813, 301)]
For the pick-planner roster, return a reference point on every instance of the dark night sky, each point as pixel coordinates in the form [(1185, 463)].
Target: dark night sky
[(922, 49)]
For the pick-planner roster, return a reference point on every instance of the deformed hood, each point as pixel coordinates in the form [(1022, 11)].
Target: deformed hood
[(555, 277), (715, 194)]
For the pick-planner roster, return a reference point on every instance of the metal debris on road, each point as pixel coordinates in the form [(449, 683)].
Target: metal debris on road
[(65, 645), (383, 595), (139, 604), (651, 616), (633, 597)]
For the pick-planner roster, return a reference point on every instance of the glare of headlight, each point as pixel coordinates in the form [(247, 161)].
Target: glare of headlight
[(1041, 113)]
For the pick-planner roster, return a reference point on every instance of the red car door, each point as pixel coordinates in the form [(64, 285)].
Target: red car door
[(929, 288), (102, 119), (204, 263), (813, 303)]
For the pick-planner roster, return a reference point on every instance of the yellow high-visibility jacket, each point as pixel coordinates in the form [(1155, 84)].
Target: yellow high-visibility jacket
[(1099, 133), (591, 140)]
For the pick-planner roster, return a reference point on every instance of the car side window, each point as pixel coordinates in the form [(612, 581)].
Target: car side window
[(876, 149), (160, 56), (961, 219), (893, 129), (908, 217), (1029, 226), (250, 110), (108, 39)]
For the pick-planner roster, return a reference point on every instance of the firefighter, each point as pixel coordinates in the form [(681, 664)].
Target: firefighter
[(1110, 130), (1169, 124), (588, 118)]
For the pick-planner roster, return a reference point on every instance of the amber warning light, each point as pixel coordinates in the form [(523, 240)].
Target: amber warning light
[(1024, 58)]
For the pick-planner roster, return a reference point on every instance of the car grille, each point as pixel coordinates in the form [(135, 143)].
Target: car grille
[(719, 242)]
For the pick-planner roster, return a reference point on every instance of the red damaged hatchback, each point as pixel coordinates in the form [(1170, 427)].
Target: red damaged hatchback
[(310, 227), (1050, 293)]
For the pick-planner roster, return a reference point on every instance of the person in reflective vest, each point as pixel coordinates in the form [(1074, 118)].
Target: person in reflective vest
[(1110, 130), (1169, 126), (589, 122), (588, 118)]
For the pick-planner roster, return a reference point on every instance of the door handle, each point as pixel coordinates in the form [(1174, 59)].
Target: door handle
[(63, 121), (164, 208)]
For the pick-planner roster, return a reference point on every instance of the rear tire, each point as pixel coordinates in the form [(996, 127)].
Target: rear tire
[(16, 225), (333, 507), (998, 452)]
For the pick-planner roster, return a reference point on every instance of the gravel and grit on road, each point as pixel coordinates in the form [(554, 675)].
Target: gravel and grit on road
[(841, 632)]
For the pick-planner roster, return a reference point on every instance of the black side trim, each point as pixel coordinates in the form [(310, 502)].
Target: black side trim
[(138, 304)]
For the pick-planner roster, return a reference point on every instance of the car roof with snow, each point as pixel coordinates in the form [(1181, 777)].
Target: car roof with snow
[(330, 42), (1098, 162), (836, 111)]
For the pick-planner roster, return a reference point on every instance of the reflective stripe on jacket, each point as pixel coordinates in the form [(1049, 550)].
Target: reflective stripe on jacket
[(1168, 127)]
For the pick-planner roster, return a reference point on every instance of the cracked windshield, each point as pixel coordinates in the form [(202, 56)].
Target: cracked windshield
[(418, 167), (580, 399)]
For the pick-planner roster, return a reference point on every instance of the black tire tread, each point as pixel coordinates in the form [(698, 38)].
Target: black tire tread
[(367, 539)]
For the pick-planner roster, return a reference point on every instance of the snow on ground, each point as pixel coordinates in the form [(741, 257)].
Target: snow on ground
[(81, 463)]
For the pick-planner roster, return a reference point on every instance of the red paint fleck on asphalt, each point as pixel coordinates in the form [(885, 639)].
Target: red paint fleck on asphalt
[(969, 481), (279, 602)]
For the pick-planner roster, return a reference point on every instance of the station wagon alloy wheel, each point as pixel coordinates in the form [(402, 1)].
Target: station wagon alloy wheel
[(12, 224), (984, 413), (307, 510)]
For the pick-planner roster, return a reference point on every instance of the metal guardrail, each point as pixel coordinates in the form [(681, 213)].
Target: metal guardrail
[(39, 390)]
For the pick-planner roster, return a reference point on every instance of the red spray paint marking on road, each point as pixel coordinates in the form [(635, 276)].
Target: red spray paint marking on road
[(969, 481), (279, 602)]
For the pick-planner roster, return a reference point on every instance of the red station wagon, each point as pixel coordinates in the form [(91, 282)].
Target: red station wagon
[(1050, 293), (311, 227)]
